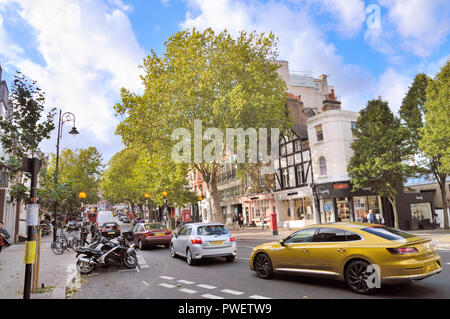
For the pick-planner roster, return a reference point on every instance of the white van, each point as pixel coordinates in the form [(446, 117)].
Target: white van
[(104, 217)]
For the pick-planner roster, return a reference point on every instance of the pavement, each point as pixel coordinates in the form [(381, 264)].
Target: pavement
[(53, 273)]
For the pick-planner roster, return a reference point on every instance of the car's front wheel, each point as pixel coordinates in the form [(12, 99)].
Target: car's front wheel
[(357, 277), (263, 266), (172, 251)]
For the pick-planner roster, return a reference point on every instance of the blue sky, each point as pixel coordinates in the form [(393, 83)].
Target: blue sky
[(81, 52)]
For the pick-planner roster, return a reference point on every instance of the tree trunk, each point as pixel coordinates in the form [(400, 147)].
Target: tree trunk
[(17, 221), (444, 201), (216, 210), (393, 202)]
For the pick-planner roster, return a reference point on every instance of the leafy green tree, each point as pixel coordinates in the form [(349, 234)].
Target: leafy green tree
[(132, 173), (23, 129), (79, 171), (435, 135), (380, 150), (224, 82)]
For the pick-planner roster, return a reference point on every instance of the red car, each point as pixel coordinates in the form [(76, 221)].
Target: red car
[(150, 234)]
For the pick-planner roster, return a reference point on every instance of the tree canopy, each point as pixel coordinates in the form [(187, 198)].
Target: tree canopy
[(380, 151), (222, 81)]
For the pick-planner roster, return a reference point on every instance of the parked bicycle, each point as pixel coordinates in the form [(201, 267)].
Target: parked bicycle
[(63, 243)]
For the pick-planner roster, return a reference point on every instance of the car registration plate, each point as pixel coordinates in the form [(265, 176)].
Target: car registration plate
[(159, 234), (214, 243), (111, 233), (432, 266)]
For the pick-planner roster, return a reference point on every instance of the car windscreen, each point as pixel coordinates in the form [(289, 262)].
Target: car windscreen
[(154, 226), (212, 230), (388, 232)]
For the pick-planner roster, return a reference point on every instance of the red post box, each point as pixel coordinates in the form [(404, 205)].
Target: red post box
[(273, 223)]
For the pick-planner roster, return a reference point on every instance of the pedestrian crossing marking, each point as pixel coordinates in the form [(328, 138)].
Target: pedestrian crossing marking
[(187, 282), (167, 285), (166, 277), (259, 297), (188, 291), (232, 292), (206, 286), (212, 296)]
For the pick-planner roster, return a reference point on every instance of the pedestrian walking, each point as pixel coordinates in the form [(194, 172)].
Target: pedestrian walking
[(370, 216), (235, 221), (4, 237), (241, 221), (263, 220), (83, 234)]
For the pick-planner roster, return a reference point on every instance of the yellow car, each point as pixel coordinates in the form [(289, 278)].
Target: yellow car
[(363, 255)]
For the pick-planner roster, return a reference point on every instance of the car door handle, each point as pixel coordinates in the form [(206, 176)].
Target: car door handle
[(304, 250), (341, 250)]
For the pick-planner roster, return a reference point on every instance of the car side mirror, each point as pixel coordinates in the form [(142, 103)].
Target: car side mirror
[(283, 242), (175, 235)]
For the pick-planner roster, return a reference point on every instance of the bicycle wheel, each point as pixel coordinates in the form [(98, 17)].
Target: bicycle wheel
[(56, 248)]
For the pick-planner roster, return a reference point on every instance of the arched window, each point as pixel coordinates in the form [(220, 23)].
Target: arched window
[(323, 166)]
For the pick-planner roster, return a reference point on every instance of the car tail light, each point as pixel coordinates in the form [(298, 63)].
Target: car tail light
[(169, 233), (402, 251), (196, 240), (118, 228), (146, 235), (103, 229), (232, 239)]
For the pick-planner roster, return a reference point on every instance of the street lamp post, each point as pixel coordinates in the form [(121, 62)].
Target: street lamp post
[(63, 118), (82, 197), (147, 196), (164, 194)]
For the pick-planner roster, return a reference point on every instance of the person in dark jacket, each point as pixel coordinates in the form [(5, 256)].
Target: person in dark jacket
[(4, 234)]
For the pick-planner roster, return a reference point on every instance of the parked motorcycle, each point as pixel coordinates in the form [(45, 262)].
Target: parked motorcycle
[(119, 251)]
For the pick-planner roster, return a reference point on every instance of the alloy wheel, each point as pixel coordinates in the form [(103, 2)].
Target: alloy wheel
[(357, 276), (263, 266)]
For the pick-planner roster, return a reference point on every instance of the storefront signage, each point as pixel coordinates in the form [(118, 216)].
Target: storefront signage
[(341, 186), (292, 194)]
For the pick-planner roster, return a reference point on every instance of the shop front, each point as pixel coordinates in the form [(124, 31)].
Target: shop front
[(258, 207), (339, 203), (295, 207)]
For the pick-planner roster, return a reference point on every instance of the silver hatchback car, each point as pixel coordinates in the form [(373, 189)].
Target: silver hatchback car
[(200, 240)]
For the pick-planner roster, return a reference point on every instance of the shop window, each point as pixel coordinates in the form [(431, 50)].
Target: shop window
[(421, 211), (323, 166), (319, 133)]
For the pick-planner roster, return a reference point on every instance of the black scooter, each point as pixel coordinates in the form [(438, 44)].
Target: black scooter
[(119, 251)]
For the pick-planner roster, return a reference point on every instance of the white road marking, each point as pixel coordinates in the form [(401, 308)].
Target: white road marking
[(137, 269), (166, 277), (243, 258), (145, 283), (188, 291), (447, 263), (206, 286), (186, 282), (232, 292), (212, 296), (259, 297), (167, 285)]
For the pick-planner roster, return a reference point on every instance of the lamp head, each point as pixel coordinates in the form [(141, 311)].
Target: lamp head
[(74, 131)]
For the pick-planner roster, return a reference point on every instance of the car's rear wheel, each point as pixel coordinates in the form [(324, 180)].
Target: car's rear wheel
[(357, 275), (141, 245), (189, 259), (263, 266), (230, 259)]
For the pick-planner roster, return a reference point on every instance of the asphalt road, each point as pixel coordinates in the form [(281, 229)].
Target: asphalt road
[(160, 276)]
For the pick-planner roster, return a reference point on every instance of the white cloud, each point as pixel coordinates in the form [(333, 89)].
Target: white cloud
[(301, 41), (422, 25), (90, 52), (392, 87)]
